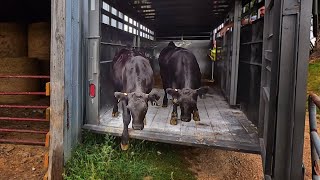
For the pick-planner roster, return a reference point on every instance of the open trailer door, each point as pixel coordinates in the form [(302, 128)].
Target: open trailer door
[(283, 87)]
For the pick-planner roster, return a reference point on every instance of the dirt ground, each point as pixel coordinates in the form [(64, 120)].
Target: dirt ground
[(213, 164), (22, 161)]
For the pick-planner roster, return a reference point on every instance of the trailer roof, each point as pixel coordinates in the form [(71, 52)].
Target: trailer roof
[(178, 17)]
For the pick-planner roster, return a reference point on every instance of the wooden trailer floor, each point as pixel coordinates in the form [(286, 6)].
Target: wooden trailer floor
[(220, 126)]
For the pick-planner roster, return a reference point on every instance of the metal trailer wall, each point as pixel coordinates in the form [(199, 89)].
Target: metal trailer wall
[(222, 69), (249, 81), (112, 41)]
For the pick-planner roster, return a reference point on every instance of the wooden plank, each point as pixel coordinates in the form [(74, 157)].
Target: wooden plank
[(175, 129), (160, 119), (151, 114), (181, 140), (204, 127), (219, 123), (57, 104), (106, 118)]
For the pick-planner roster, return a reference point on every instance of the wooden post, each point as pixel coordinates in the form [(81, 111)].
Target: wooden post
[(57, 105)]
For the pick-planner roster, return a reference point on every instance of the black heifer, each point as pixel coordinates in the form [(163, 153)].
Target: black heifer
[(179, 69), (133, 79)]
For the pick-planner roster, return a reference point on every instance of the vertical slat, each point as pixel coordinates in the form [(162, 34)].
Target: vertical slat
[(235, 52), (57, 57)]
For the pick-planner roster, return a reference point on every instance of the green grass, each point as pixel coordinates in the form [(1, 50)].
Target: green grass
[(314, 77), (99, 157)]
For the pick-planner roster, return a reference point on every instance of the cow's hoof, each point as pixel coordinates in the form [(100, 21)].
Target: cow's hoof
[(174, 114), (124, 147), (115, 114), (173, 121), (196, 116)]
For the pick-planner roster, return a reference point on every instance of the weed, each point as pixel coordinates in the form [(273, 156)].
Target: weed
[(99, 157)]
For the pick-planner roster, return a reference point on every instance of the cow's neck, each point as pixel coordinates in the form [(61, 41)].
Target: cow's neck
[(187, 82)]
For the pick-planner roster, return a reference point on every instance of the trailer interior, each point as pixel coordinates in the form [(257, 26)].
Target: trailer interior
[(229, 113)]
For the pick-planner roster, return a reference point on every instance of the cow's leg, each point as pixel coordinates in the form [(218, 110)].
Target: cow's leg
[(165, 86), (165, 99), (126, 122), (174, 114), (195, 113), (115, 111)]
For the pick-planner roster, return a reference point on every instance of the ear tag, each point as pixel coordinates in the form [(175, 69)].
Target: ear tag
[(176, 90), (125, 94)]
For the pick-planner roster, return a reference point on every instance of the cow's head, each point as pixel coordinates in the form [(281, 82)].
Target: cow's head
[(137, 105), (187, 100)]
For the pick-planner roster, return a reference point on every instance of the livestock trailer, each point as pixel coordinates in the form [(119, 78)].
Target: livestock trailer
[(256, 103)]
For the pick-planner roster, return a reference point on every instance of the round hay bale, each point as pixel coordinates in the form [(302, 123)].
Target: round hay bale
[(39, 40), (18, 66), (13, 40)]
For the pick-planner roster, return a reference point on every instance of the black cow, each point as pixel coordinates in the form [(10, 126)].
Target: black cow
[(133, 79), (179, 70)]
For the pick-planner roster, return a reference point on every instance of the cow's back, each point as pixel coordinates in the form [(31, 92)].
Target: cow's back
[(184, 70), (118, 64), (137, 75)]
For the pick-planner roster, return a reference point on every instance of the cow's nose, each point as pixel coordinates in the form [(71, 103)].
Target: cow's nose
[(186, 119), (138, 127)]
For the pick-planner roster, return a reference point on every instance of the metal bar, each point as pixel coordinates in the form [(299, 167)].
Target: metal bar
[(108, 61), (316, 141), (313, 128), (23, 106), (253, 42), (315, 177), (315, 99), (25, 76), (251, 63), (23, 119), (22, 93), (22, 131), (113, 44), (25, 142)]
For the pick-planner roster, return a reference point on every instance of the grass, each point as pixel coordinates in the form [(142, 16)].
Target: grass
[(99, 157), (314, 77)]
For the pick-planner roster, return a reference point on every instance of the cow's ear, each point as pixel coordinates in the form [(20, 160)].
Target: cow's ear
[(171, 44), (175, 93), (203, 90), (153, 97), (121, 96)]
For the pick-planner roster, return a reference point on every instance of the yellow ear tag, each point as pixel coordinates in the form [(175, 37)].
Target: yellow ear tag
[(176, 89), (125, 94)]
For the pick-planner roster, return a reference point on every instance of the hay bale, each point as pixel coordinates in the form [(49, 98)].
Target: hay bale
[(13, 40), (39, 40), (18, 66)]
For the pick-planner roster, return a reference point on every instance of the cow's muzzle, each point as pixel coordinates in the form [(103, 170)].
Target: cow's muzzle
[(138, 127)]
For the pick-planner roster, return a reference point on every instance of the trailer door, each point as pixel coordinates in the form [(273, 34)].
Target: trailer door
[(283, 87)]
